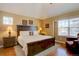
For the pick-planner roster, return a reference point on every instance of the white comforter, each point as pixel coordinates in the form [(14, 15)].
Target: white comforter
[(23, 40)]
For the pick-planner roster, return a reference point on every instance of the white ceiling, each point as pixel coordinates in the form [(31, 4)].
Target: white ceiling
[(39, 10)]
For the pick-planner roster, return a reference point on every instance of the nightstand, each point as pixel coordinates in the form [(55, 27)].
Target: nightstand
[(9, 41)]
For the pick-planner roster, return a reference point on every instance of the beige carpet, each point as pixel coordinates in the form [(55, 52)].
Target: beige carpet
[(19, 51)]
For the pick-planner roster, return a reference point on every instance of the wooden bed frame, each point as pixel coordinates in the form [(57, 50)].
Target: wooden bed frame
[(35, 47)]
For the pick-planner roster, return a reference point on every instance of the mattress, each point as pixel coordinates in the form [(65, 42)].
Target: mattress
[(29, 39)]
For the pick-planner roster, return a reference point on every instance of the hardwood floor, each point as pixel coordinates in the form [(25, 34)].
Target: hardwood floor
[(59, 51), (7, 51)]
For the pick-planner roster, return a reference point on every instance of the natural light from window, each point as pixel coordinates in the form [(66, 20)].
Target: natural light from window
[(68, 27), (7, 20)]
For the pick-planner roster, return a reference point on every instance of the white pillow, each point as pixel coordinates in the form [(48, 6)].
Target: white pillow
[(36, 33), (70, 42), (24, 33)]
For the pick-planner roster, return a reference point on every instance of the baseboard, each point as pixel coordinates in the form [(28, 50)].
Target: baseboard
[(1, 46), (59, 41)]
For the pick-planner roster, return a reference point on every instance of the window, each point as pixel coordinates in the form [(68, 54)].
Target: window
[(68, 27), (7, 20), (63, 27), (74, 26)]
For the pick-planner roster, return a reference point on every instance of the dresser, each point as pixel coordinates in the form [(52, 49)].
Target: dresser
[(9, 41)]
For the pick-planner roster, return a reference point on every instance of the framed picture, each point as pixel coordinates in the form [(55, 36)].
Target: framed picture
[(31, 22), (46, 25), (24, 22)]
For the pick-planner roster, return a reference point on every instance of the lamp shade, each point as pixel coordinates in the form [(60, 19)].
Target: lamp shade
[(40, 29), (9, 28)]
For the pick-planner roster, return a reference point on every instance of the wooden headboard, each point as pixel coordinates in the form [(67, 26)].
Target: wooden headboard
[(25, 28)]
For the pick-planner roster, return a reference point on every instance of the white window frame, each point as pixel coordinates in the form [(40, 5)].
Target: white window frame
[(7, 20), (69, 27)]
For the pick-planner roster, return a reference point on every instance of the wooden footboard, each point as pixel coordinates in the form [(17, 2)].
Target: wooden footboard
[(36, 47)]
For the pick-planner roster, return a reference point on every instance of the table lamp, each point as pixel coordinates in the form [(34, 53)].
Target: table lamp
[(9, 30), (40, 29)]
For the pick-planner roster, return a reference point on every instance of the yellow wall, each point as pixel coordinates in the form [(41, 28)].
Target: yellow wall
[(50, 30), (17, 20)]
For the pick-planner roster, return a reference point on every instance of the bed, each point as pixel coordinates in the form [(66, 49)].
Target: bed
[(31, 42)]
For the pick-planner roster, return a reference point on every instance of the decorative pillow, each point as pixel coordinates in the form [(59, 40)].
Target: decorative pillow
[(30, 33), (36, 33), (24, 33), (70, 42)]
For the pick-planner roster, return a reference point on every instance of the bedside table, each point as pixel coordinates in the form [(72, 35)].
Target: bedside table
[(9, 41)]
